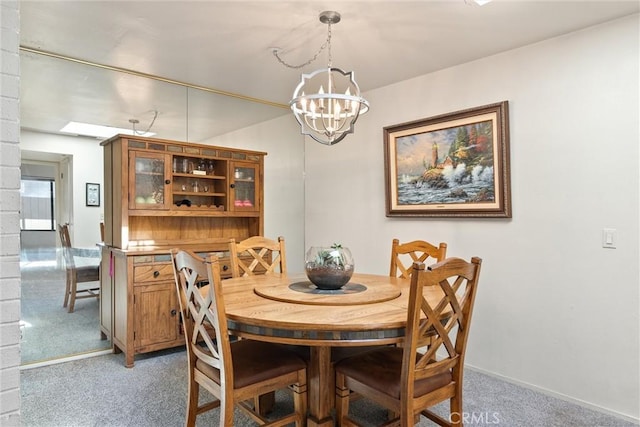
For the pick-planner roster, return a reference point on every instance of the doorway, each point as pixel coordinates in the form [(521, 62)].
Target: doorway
[(48, 331)]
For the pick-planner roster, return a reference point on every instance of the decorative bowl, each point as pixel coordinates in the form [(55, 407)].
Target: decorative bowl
[(329, 268)]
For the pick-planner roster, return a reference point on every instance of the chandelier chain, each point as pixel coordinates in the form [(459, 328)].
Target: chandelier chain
[(326, 44)]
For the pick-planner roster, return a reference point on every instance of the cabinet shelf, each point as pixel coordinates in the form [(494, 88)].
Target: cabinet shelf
[(195, 176), (198, 194), (212, 208), (185, 211)]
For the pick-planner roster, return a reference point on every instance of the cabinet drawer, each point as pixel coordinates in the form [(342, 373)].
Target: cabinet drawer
[(225, 268), (152, 273), (162, 272), (223, 259)]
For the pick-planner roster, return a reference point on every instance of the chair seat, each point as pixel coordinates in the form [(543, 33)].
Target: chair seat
[(255, 361), (381, 370), (88, 273)]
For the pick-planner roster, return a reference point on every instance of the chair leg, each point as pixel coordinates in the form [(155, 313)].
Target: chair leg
[(264, 404), (72, 295), (67, 290), (193, 395), (342, 398), (300, 399), (226, 411), (455, 407)]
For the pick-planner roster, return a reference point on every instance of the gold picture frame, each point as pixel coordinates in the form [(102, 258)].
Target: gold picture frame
[(451, 165)]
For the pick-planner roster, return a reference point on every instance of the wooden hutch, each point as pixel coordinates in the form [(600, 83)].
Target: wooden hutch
[(159, 195)]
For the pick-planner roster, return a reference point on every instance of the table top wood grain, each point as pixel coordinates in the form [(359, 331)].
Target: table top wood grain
[(265, 306)]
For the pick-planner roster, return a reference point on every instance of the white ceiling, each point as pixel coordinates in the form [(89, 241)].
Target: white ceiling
[(227, 45)]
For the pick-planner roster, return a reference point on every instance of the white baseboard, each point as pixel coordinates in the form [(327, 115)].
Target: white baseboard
[(556, 395), (65, 359)]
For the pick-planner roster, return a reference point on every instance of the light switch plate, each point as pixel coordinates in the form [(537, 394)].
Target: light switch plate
[(609, 238)]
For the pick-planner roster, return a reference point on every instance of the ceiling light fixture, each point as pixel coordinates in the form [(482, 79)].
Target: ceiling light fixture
[(326, 102), (97, 131), (478, 2), (134, 122)]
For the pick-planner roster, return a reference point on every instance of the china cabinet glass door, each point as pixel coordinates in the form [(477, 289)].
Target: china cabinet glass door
[(150, 184), (244, 187)]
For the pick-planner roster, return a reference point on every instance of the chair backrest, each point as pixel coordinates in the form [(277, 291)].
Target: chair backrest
[(404, 255), (434, 326), (67, 251), (257, 255), (202, 309)]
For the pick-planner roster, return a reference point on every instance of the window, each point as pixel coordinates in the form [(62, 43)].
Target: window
[(37, 196)]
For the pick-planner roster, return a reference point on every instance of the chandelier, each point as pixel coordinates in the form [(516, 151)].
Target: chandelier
[(327, 102)]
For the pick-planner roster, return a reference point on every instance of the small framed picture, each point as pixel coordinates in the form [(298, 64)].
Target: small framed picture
[(93, 194)]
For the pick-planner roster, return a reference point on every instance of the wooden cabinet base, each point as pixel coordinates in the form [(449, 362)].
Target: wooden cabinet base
[(129, 356), (144, 304)]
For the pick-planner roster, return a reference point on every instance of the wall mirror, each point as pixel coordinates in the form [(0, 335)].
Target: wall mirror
[(54, 91)]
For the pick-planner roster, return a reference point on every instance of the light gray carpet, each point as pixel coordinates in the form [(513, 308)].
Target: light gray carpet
[(48, 330), (100, 391)]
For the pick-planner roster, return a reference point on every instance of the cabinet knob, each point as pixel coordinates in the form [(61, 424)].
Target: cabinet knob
[(156, 273), (225, 267), (232, 186), (167, 181), (173, 312)]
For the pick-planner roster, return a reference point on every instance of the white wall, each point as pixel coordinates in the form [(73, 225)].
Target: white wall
[(87, 166), (283, 180), (554, 310)]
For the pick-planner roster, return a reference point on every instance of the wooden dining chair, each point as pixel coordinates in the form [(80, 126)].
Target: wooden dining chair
[(405, 380), (235, 373), (257, 255), (77, 274), (404, 255)]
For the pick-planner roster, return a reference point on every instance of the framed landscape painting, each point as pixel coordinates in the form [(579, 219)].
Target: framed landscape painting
[(452, 165)]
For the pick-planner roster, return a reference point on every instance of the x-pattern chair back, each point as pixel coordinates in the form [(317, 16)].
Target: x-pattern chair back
[(433, 325), (415, 251), (262, 368), (411, 378), (203, 310), (257, 255)]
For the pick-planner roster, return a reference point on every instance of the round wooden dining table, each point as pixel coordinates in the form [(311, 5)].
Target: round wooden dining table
[(287, 309)]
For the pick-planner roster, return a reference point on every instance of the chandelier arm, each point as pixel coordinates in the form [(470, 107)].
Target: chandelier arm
[(309, 125)]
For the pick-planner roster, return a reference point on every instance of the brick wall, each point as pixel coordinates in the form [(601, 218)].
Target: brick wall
[(9, 216)]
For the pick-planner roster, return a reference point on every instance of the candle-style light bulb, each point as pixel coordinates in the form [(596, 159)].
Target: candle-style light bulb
[(303, 102), (321, 92)]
